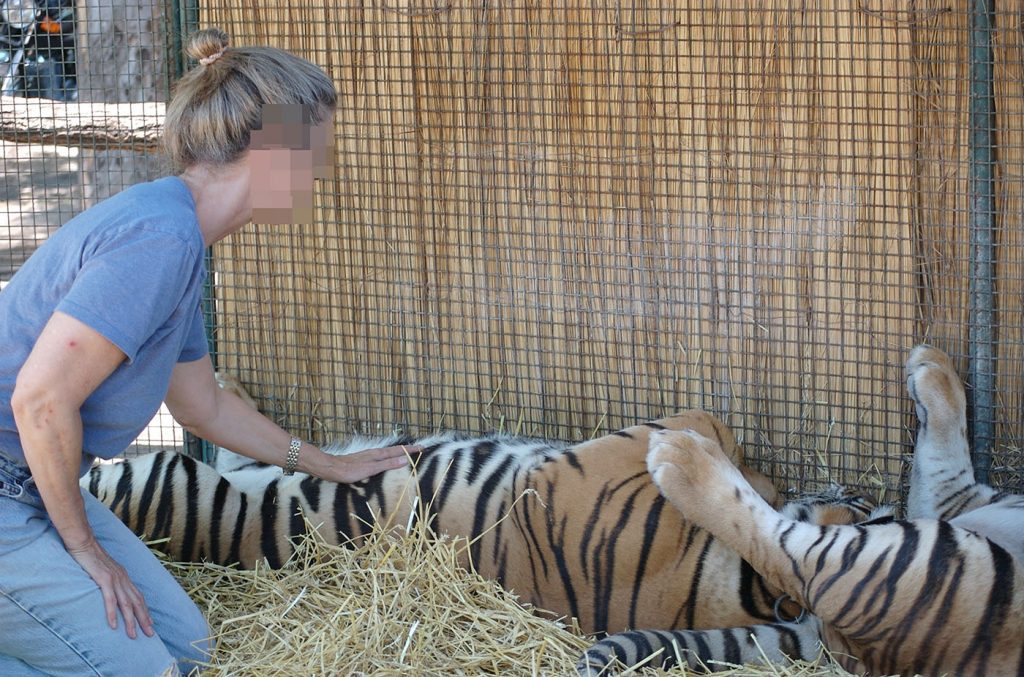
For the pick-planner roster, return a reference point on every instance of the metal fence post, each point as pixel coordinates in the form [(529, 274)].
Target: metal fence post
[(185, 18), (982, 225)]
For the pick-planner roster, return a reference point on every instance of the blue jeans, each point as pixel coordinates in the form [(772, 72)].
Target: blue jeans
[(52, 617)]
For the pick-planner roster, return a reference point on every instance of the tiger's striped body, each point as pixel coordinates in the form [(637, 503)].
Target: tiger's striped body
[(242, 511), (585, 533), (939, 593)]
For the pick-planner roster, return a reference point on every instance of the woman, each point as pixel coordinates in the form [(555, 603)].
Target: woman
[(103, 323)]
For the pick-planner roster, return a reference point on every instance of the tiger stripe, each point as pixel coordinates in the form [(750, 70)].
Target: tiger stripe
[(711, 650)]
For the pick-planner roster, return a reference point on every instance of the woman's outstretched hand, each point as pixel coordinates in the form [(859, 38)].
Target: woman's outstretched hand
[(348, 468)]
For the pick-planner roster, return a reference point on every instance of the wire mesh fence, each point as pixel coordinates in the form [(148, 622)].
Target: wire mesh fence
[(83, 85), (559, 219)]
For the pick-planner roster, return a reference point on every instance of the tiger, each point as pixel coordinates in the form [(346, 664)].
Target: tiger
[(577, 530), (938, 592)]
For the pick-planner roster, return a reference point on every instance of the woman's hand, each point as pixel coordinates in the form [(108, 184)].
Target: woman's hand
[(118, 590), (354, 467)]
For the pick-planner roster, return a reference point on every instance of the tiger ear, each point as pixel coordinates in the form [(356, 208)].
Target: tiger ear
[(834, 514), (233, 385)]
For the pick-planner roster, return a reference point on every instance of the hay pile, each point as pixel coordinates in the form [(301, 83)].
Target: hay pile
[(397, 605)]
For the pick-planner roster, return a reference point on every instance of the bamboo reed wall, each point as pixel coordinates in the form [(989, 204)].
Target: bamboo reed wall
[(559, 219)]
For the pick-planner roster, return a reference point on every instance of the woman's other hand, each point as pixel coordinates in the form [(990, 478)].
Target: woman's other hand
[(119, 593)]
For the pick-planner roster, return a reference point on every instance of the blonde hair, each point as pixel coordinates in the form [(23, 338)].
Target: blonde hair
[(217, 105)]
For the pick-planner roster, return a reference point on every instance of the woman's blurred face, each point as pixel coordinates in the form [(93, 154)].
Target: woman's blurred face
[(284, 157)]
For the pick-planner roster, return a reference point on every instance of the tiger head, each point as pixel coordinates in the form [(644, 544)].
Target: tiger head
[(835, 505)]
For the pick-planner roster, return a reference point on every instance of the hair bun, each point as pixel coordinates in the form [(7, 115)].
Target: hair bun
[(207, 45)]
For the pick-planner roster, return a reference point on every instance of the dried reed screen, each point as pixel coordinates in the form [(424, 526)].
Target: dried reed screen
[(559, 219)]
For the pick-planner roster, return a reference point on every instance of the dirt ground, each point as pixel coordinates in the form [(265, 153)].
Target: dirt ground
[(41, 189)]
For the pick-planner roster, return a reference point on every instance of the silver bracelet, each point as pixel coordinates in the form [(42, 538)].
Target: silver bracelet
[(292, 460)]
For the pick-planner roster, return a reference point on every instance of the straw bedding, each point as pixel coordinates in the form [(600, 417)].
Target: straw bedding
[(397, 605)]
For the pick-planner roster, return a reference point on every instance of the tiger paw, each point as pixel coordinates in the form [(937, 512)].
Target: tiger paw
[(935, 387), (690, 470)]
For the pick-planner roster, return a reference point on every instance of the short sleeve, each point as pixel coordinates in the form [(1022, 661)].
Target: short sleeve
[(196, 345), (131, 287)]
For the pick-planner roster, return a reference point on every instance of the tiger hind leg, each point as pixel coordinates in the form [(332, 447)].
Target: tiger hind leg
[(885, 592), (942, 482), (703, 650)]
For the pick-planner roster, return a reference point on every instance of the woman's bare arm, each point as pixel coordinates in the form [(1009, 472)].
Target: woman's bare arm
[(221, 417), (68, 362)]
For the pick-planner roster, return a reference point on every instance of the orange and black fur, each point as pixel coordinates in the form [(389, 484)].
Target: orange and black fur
[(941, 592), (579, 530)]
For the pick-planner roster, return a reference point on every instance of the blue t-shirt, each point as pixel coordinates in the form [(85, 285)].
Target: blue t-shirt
[(131, 268)]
